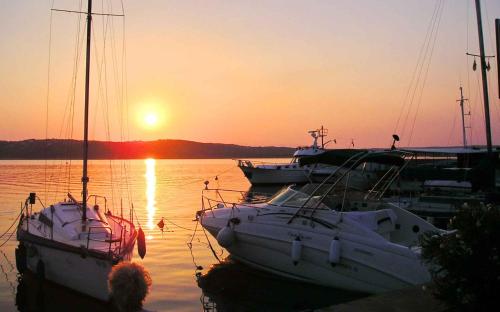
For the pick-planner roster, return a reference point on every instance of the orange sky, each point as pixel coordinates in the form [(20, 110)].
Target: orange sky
[(245, 72)]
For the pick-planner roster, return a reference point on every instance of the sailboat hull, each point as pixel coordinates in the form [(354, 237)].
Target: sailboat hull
[(79, 269), (71, 265), (87, 275)]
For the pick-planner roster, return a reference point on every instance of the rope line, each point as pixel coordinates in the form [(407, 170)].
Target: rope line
[(181, 227), (10, 227)]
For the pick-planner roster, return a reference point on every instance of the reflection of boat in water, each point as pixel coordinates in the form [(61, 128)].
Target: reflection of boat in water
[(71, 243), (35, 294), (314, 234), (233, 286)]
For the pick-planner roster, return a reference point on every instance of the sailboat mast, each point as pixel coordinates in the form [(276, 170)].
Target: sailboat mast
[(322, 136), (484, 78), (85, 178), (462, 100)]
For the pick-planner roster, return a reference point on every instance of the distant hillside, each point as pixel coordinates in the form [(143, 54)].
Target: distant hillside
[(72, 149)]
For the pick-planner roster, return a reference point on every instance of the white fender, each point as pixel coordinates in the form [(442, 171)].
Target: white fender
[(296, 250), (334, 254), (226, 236)]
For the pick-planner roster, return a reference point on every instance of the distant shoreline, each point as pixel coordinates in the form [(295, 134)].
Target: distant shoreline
[(54, 149)]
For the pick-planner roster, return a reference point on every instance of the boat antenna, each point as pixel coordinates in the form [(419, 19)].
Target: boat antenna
[(462, 100), (85, 178), (395, 138), (322, 135)]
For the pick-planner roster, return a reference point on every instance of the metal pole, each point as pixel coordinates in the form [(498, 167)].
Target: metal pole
[(497, 32), (322, 142), (85, 178), (485, 79), (463, 117)]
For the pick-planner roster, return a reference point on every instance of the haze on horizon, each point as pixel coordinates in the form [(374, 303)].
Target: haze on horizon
[(246, 72)]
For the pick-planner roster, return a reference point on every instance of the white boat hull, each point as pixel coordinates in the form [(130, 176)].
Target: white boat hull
[(265, 242), (86, 275), (259, 176), (53, 249)]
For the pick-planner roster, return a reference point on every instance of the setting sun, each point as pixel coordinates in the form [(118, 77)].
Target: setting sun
[(151, 116), (151, 119)]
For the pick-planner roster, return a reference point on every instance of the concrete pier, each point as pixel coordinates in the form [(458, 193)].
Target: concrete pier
[(413, 299)]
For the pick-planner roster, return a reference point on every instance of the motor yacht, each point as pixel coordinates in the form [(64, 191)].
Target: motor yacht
[(323, 235)]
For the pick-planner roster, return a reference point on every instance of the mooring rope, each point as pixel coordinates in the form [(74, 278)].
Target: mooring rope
[(7, 231)]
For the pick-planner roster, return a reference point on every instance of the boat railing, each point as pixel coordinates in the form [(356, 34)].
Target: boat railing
[(125, 233), (27, 211), (95, 230), (347, 167), (220, 198), (380, 187), (96, 197)]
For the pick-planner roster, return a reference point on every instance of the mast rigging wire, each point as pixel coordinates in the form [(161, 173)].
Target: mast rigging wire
[(414, 73), (419, 76), (419, 101)]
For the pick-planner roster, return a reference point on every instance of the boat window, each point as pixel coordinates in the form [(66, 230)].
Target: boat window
[(294, 160), (295, 198), (282, 196)]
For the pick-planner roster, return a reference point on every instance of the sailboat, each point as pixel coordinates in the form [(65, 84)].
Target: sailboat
[(71, 242)]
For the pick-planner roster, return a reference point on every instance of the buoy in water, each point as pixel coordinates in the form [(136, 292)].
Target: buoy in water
[(334, 254), (226, 237), (161, 224), (296, 250), (141, 243)]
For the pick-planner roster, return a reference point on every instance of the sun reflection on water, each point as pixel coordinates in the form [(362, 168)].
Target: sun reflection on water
[(150, 190)]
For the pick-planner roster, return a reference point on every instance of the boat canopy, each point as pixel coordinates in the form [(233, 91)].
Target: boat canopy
[(355, 157)]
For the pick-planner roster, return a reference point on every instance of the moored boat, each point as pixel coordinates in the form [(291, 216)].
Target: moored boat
[(261, 173), (72, 243), (56, 245), (316, 235)]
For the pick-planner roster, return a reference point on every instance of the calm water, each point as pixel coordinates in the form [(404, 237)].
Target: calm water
[(158, 188)]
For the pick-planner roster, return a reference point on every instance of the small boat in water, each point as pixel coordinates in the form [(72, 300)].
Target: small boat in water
[(314, 234), (261, 173), (72, 243), (57, 245)]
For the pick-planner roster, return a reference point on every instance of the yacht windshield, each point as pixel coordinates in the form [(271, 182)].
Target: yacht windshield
[(292, 197), (282, 196)]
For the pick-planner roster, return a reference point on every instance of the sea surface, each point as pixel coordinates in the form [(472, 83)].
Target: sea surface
[(186, 274)]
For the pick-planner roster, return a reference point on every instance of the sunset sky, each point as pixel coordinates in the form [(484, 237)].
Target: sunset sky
[(246, 72)]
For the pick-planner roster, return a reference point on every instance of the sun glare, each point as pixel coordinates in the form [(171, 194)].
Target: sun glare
[(151, 115), (151, 119)]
